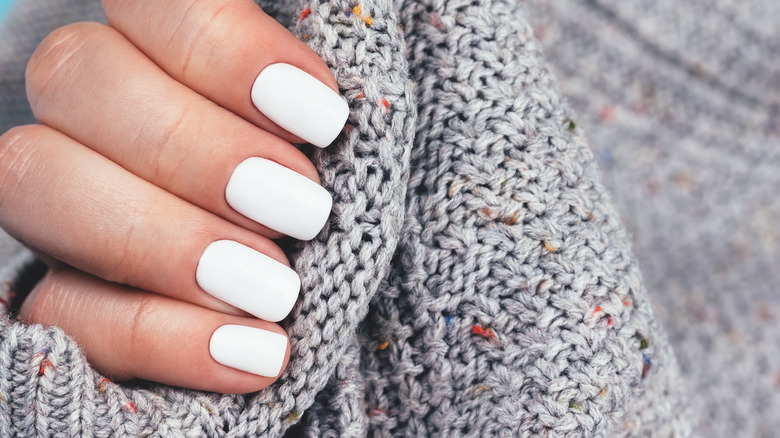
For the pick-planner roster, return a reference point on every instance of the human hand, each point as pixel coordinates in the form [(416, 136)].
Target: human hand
[(155, 182)]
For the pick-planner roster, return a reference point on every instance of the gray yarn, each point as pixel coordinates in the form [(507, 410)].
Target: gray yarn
[(473, 280), (692, 156), (509, 229)]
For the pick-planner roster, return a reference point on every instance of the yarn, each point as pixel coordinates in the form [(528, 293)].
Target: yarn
[(692, 159), (452, 292)]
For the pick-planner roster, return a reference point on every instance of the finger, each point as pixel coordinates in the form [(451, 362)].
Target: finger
[(79, 207), (223, 49), (162, 131), (126, 334)]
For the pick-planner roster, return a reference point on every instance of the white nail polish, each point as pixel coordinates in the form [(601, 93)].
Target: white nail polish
[(278, 198), (300, 103), (247, 279), (249, 349)]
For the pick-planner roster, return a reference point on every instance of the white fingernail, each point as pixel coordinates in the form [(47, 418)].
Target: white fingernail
[(300, 103), (278, 198), (247, 279), (249, 349)]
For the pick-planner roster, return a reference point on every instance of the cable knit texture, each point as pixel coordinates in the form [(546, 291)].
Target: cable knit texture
[(473, 279)]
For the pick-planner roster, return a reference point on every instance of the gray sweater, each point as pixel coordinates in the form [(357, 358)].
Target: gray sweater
[(474, 278)]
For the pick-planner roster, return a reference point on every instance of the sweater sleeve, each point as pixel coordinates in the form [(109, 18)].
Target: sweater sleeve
[(474, 278)]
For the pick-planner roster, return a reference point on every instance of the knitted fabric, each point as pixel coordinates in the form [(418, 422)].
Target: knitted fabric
[(682, 105), (473, 279)]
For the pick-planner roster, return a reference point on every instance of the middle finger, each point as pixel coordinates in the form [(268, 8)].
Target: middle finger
[(89, 82)]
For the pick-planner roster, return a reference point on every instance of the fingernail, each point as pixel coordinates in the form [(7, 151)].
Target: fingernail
[(278, 198), (247, 279), (300, 103), (249, 349)]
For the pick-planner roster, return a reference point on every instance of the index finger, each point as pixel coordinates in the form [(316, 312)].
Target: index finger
[(237, 56)]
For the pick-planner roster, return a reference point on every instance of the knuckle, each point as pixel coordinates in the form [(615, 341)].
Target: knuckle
[(126, 251), (57, 58), (144, 317), (17, 152), (198, 34), (16, 138), (165, 154), (45, 303)]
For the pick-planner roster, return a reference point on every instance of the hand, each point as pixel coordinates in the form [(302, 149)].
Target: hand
[(160, 171)]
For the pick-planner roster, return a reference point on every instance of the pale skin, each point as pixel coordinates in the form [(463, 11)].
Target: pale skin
[(121, 185)]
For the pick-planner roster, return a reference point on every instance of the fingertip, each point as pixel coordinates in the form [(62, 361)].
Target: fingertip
[(300, 103), (219, 48), (256, 351), (240, 351)]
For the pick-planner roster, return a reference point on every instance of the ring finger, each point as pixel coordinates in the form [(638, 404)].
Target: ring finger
[(70, 202)]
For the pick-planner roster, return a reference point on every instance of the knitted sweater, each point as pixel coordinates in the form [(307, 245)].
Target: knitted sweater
[(473, 279)]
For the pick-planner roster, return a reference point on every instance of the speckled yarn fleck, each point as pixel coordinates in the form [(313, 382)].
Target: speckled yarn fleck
[(681, 101), (508, 229), (473, 279)]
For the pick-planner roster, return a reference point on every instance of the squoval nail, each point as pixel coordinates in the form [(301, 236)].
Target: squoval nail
[(247, 279), (300, 103), (249, 349), (278, 198)]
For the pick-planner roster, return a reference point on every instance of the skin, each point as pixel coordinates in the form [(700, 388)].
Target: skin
[(120, 187)]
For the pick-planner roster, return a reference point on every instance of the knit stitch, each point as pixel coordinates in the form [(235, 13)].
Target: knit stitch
[(473, 279), (692, 157)]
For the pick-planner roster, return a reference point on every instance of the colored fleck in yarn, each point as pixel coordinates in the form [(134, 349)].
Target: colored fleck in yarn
[(690, 151), (471, 280)]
